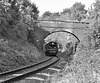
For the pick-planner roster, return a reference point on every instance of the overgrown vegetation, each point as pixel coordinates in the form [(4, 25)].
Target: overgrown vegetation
[(17, 27), (76, 12), (16, 16), (85, 66), (19, 32), (14, 55)]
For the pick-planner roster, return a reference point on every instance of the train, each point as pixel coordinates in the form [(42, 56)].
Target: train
[(52, 48)]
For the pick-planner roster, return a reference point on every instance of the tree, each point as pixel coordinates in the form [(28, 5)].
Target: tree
[(95, 11), (56, 14), (46, 14), (78, 11), (66, 10), (94, 32), (16, 16)]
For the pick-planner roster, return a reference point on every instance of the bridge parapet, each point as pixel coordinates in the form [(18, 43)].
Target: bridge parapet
[(74, 27), (63, 24)]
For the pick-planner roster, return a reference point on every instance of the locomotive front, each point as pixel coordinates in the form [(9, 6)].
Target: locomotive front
[(51, 48)]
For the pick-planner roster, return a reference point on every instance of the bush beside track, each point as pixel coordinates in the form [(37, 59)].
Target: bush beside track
[(17, 54), (15, 22)]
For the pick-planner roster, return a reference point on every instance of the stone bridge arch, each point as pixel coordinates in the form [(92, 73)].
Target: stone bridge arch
[(63, 38), (75, 27), (47, 27)]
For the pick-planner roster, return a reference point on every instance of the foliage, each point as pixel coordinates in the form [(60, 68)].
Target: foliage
[(66, 10), (94, 12), (16, 16), (50, 16), (15, 55), (46, 14), (78, 11), (93, 33), (86, 61)]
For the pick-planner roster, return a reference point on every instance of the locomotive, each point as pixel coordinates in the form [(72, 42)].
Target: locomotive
[(51, 49)]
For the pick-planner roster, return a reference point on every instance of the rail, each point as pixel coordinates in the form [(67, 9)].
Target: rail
[(8, 77), (15, 70)]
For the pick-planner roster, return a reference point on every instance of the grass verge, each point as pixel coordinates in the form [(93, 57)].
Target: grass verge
[(84, 68)]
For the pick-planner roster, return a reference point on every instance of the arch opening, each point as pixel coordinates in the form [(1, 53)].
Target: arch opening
[(66, 41)]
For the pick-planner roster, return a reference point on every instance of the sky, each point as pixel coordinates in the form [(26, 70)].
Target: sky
[(58, 5)]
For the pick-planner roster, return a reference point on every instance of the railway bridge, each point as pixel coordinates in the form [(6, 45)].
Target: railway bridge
[(48, 26), (75, 27)]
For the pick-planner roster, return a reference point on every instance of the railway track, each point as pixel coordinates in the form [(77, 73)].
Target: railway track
[(11, 76)]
